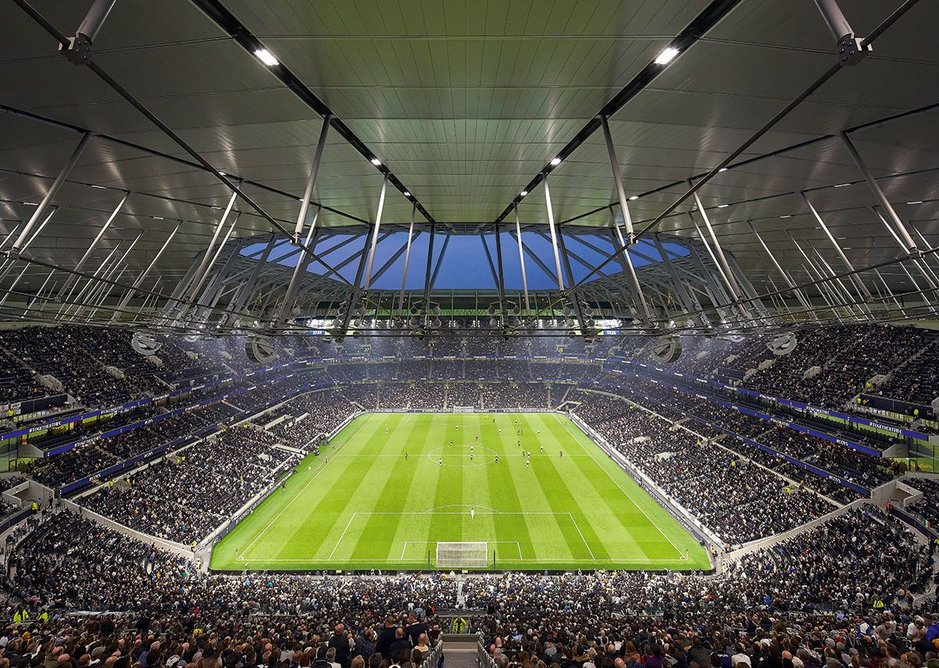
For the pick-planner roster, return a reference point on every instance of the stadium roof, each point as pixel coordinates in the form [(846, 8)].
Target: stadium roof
[(465, 105)]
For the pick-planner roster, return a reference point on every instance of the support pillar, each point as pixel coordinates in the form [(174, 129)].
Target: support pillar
[(375, 229), (907, 240), (407, 258), (521, 260), (303, 262), (311, 182), (799, 295), (834, 242), (69, 282), (143, 275), (20, 244), (554, 235), (732, 286), (644, 312)]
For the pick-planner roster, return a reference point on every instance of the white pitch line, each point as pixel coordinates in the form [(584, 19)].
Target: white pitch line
[(574, 522), (341, 536), (621, 488), (289, 503)]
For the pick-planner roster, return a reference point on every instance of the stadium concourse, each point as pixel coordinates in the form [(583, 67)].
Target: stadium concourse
[(469, 334)]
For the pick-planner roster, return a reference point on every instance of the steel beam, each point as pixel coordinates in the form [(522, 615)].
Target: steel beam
[(70, 280), (574, 296), (428, 268), (521, 260), (831, 238), (20, 244), (437, 267), (889, 292), (407, 258), (88, 284), (143, 275), (618, 181), (909, 244), (107, 287), (375, 229), (78, 49), (718, 251), (796, 291), (9, 262), (42, 287), (684, 297), (311, 182), (500, 281), (303, 261), (644, 312), (554, 236)]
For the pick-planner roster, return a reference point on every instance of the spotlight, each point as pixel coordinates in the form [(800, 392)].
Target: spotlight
[(266, 57), (555, 162), (376, 162), (668, 55)]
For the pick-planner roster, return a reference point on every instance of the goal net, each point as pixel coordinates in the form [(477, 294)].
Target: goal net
[(462, 555)]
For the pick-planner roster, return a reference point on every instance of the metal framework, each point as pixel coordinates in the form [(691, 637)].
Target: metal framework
[(620, 273)]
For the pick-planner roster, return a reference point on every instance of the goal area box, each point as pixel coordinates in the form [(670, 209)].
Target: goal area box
[(462, 555)]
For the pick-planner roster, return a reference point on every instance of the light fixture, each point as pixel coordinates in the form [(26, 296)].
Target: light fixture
[(157, 217), (266, 57), (842, 185), (555, 162), (407, 194), (786, 216), (376, 162), (668, 55), (523, 193), (916, 201), (94, 185), (31, 203), (634, 198), (722, 169), (723, 206)]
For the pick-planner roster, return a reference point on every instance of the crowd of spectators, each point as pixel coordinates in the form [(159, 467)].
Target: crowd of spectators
[(737, 499), (187, 495), (848, 356), (8, 507), (61, 352), (927, 508), (918, 380), (841, 594), (308, 417), (95, 455), (17, 382)]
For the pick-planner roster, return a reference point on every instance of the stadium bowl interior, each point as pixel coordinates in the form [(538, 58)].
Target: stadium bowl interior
[(529, 333)]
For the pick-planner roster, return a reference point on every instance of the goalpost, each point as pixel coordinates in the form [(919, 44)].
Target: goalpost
[(462, 555)]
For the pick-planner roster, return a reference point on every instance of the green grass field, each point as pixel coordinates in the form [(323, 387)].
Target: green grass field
[(363, 505)]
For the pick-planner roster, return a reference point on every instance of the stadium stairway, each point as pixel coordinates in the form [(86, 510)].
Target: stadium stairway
[(459, 650)]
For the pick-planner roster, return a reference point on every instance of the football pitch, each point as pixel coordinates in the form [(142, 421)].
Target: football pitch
[(391, 486)]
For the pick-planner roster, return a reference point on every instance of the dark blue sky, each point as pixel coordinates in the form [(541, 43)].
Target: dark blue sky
[(465, 265)]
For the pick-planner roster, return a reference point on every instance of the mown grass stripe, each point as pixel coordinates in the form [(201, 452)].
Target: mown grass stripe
[(503, 493), (545, 508)]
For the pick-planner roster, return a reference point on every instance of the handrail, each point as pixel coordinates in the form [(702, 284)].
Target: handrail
[(434, 657)]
